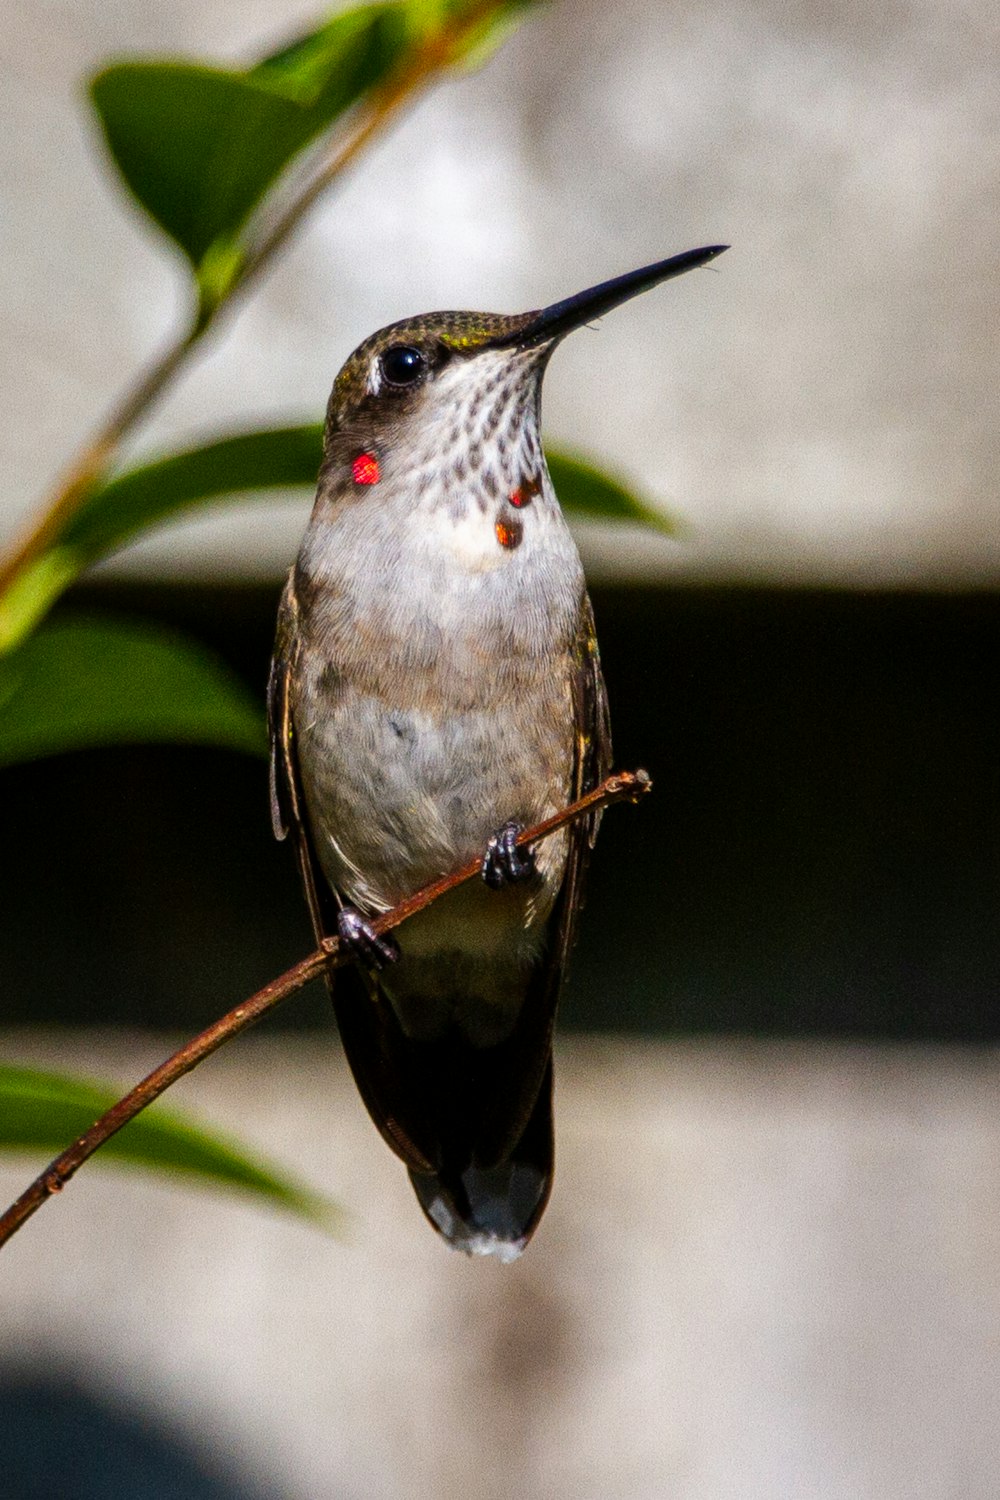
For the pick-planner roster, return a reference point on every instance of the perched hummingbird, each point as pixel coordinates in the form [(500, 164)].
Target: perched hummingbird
[(435, 689)]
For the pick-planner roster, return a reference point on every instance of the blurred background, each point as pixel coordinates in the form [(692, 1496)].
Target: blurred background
[(770, 1264)]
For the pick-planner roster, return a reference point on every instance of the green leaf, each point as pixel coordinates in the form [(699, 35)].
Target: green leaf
[(45, 1112), (304, 65), (587, 493), (286, 457), (309, 66), (490, 33), (33, 592), (91, 681), (275, 458), (200, 146), (219, 270)]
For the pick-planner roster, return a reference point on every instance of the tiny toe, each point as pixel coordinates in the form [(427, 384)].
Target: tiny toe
[(519, 863), (384, 950), (504, 862), (365, 944), (490, 868)]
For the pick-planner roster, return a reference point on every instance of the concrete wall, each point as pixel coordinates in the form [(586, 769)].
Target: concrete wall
[(822, 407), (766, 1271)]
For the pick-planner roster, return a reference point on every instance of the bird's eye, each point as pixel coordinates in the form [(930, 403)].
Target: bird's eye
[(403, 365)]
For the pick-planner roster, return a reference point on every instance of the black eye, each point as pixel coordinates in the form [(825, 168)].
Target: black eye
[(402, 364)]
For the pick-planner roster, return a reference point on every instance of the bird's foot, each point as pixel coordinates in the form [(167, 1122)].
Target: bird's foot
[(364, 944), (504, 863)]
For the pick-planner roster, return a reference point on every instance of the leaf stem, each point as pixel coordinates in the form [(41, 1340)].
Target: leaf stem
[(416, 73), (626, 786)]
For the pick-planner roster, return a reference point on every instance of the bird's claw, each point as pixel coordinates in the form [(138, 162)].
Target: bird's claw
[(504, 863), (363, 943)]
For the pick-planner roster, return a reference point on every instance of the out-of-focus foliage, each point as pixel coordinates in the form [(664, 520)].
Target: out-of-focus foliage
[(200, 147), (244, 463), (90, 681), (238, 464), (41, 1112), (587, 493)]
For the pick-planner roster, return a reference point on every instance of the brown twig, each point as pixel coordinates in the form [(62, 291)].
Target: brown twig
[(627, 786), (413, 76)]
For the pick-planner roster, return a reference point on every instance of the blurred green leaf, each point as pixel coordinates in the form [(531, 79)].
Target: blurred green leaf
[(589, 494), (307, 67), (491, 32), (90, 681), (304, 67), (287, 457), (200, 146), (45, 1112), (33, 592), (275, 458)]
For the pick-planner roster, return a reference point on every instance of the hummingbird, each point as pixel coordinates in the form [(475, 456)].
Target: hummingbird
[(436, 688)]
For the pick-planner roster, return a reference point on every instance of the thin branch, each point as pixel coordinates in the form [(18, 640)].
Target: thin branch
[(627, 786), (414, 76)]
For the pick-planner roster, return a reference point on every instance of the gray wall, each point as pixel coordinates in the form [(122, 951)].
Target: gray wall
[(823, 406), (767, 1273)]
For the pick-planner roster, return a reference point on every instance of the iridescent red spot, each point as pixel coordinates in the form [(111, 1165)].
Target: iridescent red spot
[(509, 533), (526, 491), (365, 469)]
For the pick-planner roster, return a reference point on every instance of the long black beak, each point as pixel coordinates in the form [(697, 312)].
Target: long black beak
[(555, 321)]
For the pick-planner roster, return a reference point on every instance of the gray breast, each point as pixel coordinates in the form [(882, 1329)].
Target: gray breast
[(433, 701)]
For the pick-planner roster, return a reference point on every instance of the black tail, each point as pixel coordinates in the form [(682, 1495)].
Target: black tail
[(493, 1210)]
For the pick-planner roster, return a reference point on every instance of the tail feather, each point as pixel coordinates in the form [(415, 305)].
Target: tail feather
[(493, 1210)]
